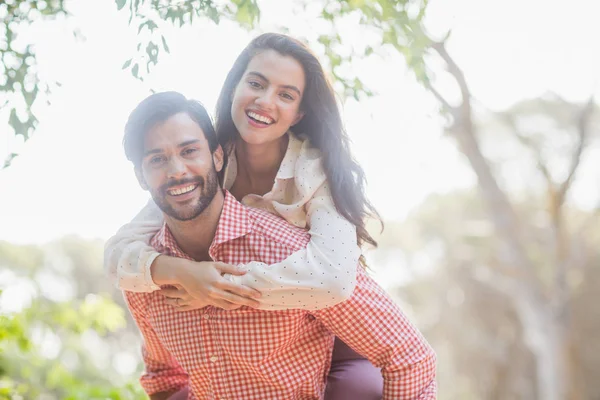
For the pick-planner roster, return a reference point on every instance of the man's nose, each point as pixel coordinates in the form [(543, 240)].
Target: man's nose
[(176, 168)]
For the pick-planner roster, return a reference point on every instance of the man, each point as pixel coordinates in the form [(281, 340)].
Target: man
[(246, 353)]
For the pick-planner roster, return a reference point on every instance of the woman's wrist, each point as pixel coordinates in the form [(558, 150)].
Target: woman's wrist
[(165, 270)]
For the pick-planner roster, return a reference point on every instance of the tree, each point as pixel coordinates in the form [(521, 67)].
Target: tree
[(45, 347), (20, 86), (19, 82), (541, 246), (451, 250)]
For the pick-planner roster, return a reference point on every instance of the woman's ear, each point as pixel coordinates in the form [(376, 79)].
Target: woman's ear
[(218, 158), (298, 118), (140, 177)]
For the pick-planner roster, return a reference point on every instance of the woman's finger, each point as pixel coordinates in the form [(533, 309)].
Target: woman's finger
[(188, 307), (178, 294), (176, 302), (174, 293), (239, 290), (225, 305), (234, 298), (229, 269)]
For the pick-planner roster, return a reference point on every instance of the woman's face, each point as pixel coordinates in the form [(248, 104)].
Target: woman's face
[(266, 101)]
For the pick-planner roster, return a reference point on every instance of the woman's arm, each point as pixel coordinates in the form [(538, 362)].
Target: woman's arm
[(136, 266), (128, 255), (319, 276)]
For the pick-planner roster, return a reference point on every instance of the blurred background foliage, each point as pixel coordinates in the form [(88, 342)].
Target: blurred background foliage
[(502, 278), (71, 333)]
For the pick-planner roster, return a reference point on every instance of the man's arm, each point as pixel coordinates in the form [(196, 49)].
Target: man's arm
[(163, 377), (373, 325)]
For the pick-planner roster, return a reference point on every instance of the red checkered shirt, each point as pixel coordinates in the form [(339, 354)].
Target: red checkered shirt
[(249, 354)]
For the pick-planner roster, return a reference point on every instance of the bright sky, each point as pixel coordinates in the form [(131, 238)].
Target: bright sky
[(72, 177)]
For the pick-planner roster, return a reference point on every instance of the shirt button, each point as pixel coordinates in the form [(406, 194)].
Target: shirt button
[(206, 316), (214, 358)]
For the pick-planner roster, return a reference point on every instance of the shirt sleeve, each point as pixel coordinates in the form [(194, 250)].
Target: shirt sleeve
[(321, 275), (162, 372), (128, 255), (374, 326)]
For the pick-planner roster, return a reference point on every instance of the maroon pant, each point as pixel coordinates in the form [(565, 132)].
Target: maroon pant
[(352, 376)]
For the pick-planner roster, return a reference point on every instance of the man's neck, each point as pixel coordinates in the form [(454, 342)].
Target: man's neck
[(259, 163), (194, 237)]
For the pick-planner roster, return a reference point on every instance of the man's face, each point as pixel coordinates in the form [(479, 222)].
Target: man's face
[(178, 168)]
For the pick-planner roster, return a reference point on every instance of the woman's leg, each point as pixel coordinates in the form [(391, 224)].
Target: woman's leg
[(352, 377)]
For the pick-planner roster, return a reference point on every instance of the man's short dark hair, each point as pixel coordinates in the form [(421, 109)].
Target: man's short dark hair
[(157, 108)]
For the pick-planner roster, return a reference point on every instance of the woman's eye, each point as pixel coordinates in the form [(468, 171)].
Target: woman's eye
[(255, 84), (287, 96)]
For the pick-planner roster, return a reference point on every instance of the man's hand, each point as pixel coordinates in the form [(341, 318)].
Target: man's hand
[(202, 283)]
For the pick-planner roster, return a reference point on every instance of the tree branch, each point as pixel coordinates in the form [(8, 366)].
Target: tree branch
[(452, 110), (501, 211), (583, 133), (525, 141)]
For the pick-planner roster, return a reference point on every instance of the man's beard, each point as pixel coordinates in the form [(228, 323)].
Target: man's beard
[(208, 189)]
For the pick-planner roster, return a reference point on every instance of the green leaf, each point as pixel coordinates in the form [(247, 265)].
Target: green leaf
[(127, 63), (164, 43), (120, 4), (135, 70), (152, 52), (247, 13), (151, 25)]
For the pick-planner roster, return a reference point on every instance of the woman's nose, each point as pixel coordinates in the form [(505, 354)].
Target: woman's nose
[(265, 100)]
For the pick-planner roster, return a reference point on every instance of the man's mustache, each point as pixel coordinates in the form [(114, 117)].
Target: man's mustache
[(190, 181)]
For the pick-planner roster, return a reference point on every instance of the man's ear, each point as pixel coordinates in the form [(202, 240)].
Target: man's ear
[(298, 118), (140, 177), (218, 158)]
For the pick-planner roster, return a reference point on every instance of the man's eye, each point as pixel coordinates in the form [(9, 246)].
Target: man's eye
[(156, 160), (255, 84), (189, 151)]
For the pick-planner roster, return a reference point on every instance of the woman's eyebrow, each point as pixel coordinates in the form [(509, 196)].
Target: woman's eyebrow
[(264, 78)]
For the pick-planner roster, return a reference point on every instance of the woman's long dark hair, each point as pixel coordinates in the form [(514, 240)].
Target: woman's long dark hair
[(322, 124)]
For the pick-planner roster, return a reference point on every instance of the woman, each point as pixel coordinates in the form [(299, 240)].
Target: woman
[(307, 176)]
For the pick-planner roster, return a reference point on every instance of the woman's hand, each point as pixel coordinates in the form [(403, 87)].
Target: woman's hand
[(182, 301), (202, 283)]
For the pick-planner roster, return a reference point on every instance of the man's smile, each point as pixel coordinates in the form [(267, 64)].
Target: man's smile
[(182, 190)]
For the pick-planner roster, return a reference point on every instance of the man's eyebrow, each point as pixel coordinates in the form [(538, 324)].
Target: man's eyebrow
[(188, 142), (264, 78), (153, 151), (182, 144)]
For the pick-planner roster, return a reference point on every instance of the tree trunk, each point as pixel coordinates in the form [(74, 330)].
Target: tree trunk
[(547, 340)]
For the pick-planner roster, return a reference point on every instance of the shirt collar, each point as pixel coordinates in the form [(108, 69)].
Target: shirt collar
[(165, 243), (286, 169), (234, 222)]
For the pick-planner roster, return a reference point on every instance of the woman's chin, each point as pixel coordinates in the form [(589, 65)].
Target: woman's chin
[(260, 138)]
